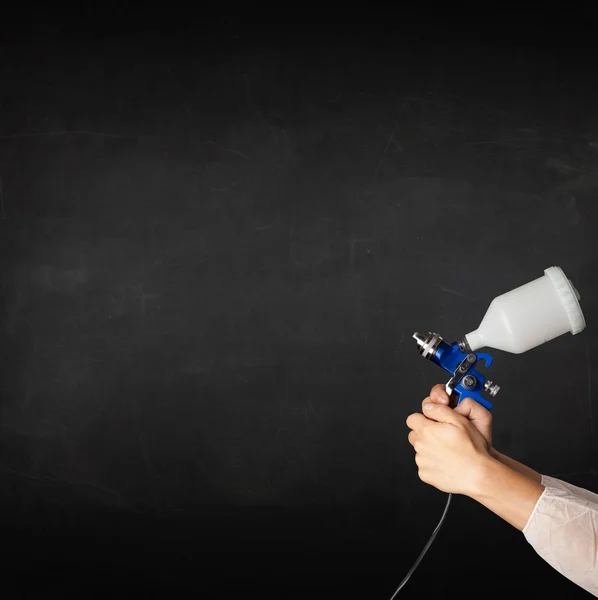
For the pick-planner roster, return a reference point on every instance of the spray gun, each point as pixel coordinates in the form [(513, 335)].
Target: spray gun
[(515, 322)]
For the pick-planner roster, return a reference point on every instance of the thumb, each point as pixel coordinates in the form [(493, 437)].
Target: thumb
[(473, 411), (442, 414)]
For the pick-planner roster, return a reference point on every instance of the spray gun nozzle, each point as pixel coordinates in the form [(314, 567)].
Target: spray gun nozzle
[(427, 344)]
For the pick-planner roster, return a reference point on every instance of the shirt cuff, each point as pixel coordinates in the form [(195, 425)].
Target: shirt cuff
[(544, 483)]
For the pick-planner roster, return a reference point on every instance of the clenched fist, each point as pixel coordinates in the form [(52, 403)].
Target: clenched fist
[(450, 452)]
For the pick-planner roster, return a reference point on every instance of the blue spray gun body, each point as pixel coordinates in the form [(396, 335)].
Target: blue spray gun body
[(462, 364)]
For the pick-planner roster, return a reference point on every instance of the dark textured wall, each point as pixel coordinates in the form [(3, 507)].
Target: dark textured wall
[(215, 250)]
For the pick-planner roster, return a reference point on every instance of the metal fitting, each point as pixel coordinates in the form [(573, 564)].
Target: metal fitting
[(491, 387), (469, 382), (464, 346), (427, 344)]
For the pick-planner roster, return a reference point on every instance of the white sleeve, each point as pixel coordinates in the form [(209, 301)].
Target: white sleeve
[(563, 530)]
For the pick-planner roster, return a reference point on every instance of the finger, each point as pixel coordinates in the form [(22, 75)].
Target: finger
[(438, 394), (416, 421), (426, 400), (443, 414), (411, 438), (433, 400), (474, 411), (423, 475)]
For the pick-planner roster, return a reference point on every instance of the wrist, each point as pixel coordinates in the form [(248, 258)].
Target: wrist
[(484, 474)]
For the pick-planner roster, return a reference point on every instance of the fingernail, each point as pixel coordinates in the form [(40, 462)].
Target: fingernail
[(444, 399), (428, 406)]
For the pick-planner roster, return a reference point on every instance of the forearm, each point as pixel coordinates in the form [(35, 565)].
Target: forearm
[(516, 466), (509, 493)]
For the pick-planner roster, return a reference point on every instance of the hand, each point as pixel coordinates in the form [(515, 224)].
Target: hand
[(478, 416), (450, 451)]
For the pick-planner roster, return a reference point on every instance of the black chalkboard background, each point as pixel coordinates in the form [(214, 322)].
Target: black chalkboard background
[(217, 242)]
